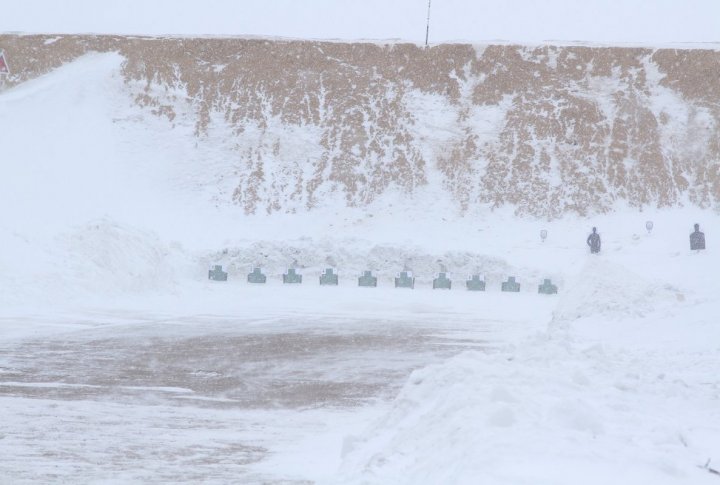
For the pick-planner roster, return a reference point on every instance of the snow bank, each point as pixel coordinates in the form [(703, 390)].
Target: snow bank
[(541, 413), (91, 262), (352, 256), (603, 287), (106, 257)]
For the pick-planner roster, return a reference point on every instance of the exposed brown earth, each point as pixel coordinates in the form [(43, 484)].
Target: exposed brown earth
[(197, 403), (238, 370), (577, 128)]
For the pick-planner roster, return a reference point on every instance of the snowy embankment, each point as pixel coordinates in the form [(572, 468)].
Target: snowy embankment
[(106, 207)]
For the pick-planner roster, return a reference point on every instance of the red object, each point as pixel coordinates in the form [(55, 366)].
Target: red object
[(3, 64)]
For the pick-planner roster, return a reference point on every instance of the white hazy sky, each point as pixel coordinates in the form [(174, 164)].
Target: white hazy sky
[(617, 21)]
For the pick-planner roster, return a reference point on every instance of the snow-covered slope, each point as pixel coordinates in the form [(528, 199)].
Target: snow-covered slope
[(286, 126), (76, 192)]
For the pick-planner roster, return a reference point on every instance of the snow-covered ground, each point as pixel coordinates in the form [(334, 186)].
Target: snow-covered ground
[(121, 362)]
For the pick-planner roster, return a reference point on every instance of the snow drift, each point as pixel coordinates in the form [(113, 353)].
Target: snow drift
[(541, 413)]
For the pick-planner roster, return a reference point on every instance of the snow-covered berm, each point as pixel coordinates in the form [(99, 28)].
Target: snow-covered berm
[(106, 208)]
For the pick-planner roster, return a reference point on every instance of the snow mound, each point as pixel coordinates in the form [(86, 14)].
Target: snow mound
[(539, 414), (609, 289), (89, 263), (103, 256), (352, 257)]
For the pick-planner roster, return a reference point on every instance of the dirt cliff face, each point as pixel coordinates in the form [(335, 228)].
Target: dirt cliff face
[(545, 129)]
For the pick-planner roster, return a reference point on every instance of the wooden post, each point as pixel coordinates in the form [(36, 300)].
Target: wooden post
[(427, 27)]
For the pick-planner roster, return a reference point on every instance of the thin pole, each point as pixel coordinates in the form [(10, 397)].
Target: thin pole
[(427, 28)]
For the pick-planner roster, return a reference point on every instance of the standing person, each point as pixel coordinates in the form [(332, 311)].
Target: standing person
[(593, 241), (697, 239)]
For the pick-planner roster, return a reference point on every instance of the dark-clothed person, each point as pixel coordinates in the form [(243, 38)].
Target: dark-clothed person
[(697, 239), (593, 241)]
